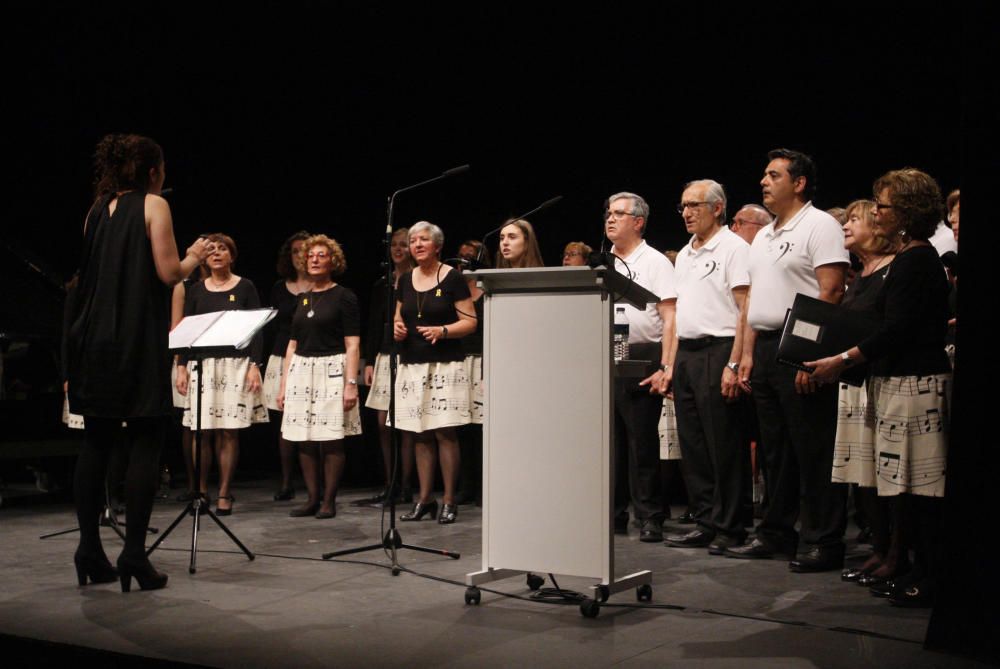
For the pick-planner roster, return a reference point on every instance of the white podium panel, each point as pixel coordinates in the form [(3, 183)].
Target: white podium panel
[(546, 466), (548, 461)]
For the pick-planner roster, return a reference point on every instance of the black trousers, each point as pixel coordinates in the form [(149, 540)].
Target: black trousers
[(797, 434), (709, 429), (637, 444)]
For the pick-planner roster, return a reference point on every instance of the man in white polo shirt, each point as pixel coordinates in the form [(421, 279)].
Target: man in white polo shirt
[(801, 251), (638, 406), (712, 280)]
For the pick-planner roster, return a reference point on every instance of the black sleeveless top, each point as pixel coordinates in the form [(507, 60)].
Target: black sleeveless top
[(117, 362)]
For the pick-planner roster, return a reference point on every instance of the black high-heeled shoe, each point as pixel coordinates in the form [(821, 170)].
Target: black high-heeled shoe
[(219, 511), (449, 512), (144, 573), (420, 510), (97, 568)]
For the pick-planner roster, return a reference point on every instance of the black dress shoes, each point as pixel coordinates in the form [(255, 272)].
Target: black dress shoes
[(651, 532), (918, 595), (755, 550), (693, 539), (818, 558), (686, 518), (721, 542)]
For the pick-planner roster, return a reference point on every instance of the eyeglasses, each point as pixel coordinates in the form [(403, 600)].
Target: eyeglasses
[(617, 214), (685, 205), (319, 255), (879, 206)]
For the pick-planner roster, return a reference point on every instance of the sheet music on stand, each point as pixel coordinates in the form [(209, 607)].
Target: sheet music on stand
[(220, 328)]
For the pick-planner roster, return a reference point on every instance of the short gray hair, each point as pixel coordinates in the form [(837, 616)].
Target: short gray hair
[(763, 215), (437, 235), (639, 207), (715, 193)]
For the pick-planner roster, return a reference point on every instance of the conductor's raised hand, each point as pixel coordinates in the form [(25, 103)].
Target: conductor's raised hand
[(201, 249)]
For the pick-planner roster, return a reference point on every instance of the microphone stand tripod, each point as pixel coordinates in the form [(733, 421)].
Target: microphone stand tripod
[(392, 541)]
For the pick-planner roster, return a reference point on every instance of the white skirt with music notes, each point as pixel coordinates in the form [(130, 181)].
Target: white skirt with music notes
[(477, 387), (670, 445), (432, 395), (74, 421), (854, 446), (911, 425), (314, 400), (225, 402), (179, 401), (272, 381), (378, 394)]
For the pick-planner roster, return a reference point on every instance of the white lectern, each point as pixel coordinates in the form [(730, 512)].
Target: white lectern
[(548, 456)]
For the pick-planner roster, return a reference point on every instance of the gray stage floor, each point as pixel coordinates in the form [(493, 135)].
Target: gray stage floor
[(289, 608)]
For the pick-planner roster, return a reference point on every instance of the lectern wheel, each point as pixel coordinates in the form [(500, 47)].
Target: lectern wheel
[(535, 581), (644, 593), (589, 608), (472, 595)]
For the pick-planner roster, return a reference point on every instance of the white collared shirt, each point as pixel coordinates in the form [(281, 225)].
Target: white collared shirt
[(650, 269), (784, 262), (943, 239), (705, 280)]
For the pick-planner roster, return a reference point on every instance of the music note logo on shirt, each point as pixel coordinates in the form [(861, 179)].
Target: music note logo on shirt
[(232, 298), (437, 293), (305, 301)]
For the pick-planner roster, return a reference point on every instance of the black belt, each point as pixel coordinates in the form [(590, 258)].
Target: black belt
[(768, 334), (701, 342)]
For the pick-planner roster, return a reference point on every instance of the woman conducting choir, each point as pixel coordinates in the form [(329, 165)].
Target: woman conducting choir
[(319, 389), (433, 310), (231, 385), (285, 298), (910, 377), (378, 347), (118, 365)]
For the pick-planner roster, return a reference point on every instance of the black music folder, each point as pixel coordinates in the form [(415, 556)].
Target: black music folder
[(816, 329)]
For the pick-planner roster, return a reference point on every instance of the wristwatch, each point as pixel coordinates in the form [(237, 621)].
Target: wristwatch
[(353, 382), (848, 361), (734, 367)]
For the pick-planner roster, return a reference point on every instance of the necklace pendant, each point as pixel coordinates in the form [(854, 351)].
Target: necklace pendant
[(310, 313)]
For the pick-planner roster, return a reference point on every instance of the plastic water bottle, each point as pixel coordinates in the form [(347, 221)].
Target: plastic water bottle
[(621, 334)]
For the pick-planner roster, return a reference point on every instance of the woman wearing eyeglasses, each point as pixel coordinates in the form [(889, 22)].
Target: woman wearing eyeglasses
[(910, 376), (576, 254), (319, 389), (231, 387), (433, 311)]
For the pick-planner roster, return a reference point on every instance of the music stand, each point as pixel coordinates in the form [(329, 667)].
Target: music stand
[(209, 336)]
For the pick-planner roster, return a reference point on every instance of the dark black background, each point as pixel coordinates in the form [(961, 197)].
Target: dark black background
[(291, 116)]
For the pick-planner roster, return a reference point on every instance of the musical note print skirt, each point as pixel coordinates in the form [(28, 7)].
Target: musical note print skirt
[(74, 421), (314, 401), (378, 394), (272, 381), (432, 395), (179, 401), (911, 425), (854, 446), (670, 445), (225, 403), (477, 387)]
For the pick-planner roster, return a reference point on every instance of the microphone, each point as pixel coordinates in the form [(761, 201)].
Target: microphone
[(545, 205), (461, 169)]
